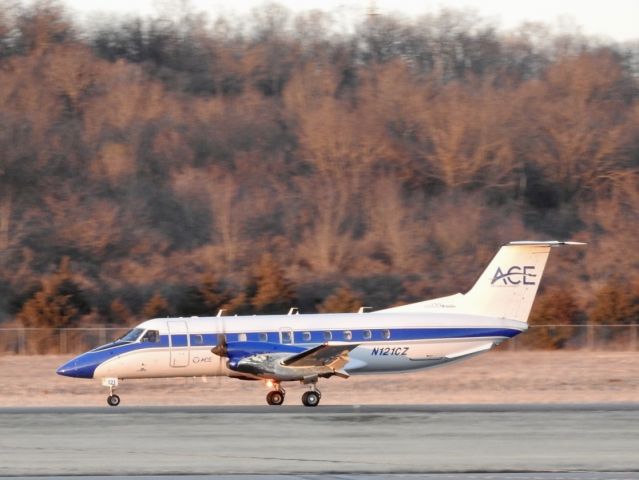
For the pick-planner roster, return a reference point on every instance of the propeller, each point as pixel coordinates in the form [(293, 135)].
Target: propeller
[(221, 349)]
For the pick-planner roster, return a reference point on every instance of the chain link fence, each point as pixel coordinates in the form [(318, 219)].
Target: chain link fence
[(577, 337), (32, 341)]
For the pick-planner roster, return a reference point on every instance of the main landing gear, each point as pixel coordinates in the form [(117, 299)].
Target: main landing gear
[(309, 399), (275, 397)]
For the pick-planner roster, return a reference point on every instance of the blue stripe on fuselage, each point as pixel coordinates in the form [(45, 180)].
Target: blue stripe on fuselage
[(84, 365)]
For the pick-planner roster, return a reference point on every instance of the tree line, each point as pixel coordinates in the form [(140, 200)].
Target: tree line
[(179, 165)]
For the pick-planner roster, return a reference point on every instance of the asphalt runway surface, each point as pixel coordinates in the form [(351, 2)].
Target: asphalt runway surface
[(482, 442), (432, 476)]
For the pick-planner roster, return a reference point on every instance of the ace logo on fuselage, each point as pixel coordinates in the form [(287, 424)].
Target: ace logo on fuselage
[(515, 275)]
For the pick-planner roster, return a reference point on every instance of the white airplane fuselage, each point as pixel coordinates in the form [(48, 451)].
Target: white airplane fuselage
[(387, 342)]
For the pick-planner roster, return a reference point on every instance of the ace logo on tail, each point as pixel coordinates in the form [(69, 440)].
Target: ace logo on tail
[(515, 275)]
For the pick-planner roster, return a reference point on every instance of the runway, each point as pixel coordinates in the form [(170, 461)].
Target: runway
[(468, 441), (432, 476)]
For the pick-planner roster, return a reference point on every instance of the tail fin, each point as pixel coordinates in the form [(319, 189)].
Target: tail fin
[(506, 289), (508, 286)]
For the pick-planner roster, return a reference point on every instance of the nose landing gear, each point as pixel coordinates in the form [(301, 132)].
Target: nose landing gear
[(112, 383)]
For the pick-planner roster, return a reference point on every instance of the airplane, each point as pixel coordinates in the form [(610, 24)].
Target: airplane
[(308, 347)]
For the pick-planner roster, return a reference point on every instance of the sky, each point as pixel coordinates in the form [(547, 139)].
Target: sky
[(611, 19)]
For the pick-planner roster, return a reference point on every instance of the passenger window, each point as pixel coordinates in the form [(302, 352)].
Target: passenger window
[(286, 336), (386, 334), (241, 337), (263, 337), (151, 336), (348, 336), (306, 336), (327, 336), (367, 335), (197, 340)]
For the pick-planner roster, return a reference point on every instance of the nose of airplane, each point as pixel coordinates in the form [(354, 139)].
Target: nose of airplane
[(69, 369), (82, 366)]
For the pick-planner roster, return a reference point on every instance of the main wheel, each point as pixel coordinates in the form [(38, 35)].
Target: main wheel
[(113, 400), (311, 399), (275, 397)]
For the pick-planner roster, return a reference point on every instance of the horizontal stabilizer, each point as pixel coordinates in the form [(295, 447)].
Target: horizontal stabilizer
[(546, 243)]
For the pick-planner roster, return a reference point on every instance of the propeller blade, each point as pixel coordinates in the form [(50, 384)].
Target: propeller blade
[(221, 349)]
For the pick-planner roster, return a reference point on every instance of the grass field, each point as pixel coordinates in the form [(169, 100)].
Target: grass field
[(496, 377)]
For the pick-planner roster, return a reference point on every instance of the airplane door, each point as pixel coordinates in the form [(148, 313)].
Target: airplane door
[(179, 343)]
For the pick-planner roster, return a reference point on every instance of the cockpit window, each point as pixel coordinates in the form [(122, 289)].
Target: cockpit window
[(151, 336), (131, 335)]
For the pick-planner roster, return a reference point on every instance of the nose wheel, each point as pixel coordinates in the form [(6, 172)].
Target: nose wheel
[(111, 383)]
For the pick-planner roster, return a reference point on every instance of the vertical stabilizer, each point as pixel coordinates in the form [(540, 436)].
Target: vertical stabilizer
[(506, 289), (508, 286)]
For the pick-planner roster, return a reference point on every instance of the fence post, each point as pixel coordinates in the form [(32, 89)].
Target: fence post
[(21, 341), (590, 337), (102, 335), (63, 340)]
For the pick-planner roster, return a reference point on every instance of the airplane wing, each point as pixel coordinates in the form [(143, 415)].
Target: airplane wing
[(286, 362), (322, 355)]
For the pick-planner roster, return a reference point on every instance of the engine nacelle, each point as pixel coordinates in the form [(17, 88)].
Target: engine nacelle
[(269, 366)]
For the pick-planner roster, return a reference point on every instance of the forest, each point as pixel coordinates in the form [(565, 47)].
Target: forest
[(178, 165)]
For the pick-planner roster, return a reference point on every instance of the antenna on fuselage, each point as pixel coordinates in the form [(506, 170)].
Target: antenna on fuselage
[(364, 309), (294, 311), (220, 312)]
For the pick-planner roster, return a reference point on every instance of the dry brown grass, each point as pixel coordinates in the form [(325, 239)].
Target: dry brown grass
[(497, 377)]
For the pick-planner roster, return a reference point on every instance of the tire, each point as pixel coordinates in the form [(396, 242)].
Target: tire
[(113, 400), (275, 398), (311, 399)]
